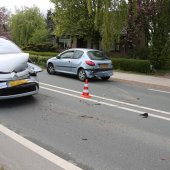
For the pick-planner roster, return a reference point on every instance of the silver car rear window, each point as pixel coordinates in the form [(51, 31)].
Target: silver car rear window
[(8, 47), (97, 55)]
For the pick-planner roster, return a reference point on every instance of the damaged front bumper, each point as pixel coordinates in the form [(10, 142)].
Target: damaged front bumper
[(24, 85)]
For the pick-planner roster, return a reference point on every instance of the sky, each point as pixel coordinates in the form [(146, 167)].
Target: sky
[(44, 5)]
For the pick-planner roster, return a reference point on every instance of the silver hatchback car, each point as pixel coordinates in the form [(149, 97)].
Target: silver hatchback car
[(85, 63)]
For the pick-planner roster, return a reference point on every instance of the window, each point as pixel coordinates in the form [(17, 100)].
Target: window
[(97, 55), (67, 55), (78, 54)]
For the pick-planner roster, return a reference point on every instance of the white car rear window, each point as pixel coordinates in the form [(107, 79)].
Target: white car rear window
[(8, 47)]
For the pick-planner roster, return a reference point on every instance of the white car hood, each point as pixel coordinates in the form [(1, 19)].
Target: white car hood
[(9, 62)]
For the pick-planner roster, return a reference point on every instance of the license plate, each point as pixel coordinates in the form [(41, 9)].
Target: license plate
[(17, 82), (3, 85), (103, 65)]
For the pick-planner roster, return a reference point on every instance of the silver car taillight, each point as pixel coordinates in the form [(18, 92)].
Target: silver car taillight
[(90, 63)]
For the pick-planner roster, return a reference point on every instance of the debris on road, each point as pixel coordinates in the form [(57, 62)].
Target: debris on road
[(163, 158), (84, 139), (91, 104), (144, 115), (85, 116)]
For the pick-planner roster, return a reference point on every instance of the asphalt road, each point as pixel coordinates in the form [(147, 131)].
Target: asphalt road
[(105, 132)]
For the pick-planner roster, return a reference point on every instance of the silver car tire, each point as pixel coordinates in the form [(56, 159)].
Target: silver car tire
[(50, 68), (106, 78), (82, 75)]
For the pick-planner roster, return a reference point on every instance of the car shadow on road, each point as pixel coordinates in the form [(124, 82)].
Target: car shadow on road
[(17, 102), (74, 77)]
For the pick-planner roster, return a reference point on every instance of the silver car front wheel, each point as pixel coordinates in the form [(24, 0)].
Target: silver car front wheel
[(82, 75), (50, 69)]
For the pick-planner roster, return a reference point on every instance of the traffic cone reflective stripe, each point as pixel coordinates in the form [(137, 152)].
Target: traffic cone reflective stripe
[(85, 90)]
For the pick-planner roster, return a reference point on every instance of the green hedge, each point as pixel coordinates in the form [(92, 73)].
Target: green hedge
[(47, 46), (40, 60), (51, 54), (134, 65)]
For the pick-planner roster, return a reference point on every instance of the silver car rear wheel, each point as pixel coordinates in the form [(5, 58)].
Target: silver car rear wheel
[(82, 75), (50, 69), (106, 78)]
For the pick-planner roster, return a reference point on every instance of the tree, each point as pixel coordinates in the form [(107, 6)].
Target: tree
[(139, 18), (49, 20), (25, 25), (72, 18), (110, 19), (4, 15), (146, 24), (151, 18), (39, 36), (91, 19), (159, 33)]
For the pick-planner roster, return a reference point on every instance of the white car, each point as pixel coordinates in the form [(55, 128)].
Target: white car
[(18, 76)]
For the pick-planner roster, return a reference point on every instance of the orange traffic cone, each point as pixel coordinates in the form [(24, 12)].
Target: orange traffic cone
[(85, 90)]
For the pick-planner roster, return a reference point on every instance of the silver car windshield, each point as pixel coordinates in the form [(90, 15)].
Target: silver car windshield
[(97, 55), (8, 47)]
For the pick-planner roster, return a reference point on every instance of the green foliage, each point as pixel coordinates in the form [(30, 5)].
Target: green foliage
[(44, 54), (26, 25), (148, 21), (39, 36), (91, 19), (71, 18), (39, 60), (142, 54), (134, 65), (40, 47), (167, 66), (158, 58), (110, 18), (113, 23), (159, 33)]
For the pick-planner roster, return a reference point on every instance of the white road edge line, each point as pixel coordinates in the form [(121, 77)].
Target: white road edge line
[(107, 104), (159, 91), (38, 150), (116, 101)]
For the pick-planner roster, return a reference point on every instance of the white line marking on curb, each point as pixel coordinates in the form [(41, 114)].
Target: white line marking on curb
[(107, 104), (39, 150), (116, 101), (159, 91)]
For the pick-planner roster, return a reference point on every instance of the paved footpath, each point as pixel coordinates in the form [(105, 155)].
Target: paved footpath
[(150, 80)]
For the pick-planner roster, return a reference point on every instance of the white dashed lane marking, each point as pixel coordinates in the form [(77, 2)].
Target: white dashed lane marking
[(161, 91), (108, 104)]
